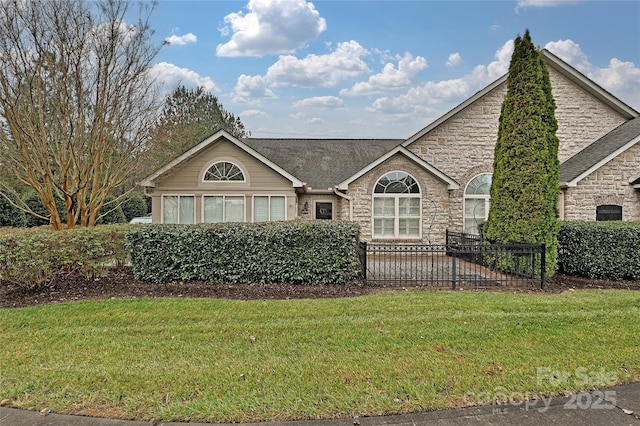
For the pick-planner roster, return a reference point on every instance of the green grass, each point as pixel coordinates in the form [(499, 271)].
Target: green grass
[(393, 352)]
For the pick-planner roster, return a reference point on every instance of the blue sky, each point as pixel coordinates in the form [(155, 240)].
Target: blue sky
[(378, 69)]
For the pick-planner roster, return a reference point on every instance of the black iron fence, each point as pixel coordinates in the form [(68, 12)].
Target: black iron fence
[(464, 261)]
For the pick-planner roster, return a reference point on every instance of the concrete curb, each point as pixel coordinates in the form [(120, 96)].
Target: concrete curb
[(619, 405)]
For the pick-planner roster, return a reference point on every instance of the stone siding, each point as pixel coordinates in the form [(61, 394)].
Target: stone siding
[(582, 119), (463, 146), (607, 185), (435, 199)]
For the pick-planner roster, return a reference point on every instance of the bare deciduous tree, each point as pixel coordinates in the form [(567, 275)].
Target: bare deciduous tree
[(75, 98)]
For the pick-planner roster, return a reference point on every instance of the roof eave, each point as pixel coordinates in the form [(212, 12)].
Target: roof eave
[(149, 182), (557, 63), (452, 184), (455, 110), (602, 162), (589, 85)]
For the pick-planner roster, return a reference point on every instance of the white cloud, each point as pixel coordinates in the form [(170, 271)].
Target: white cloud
[(454, 59), (181, 40), (570, 52), (314, 121), (622, 78), (390, 78), (418, 99), (170, 76), (327, 102), (319, 70), (253, 113), (619, 77), (546, 3), (250, 88), (271, 27), (523, 4)]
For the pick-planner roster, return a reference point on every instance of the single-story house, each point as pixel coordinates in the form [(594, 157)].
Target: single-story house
[(409, 190)]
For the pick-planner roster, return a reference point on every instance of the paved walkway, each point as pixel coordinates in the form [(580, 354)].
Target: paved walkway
[(619, 405)]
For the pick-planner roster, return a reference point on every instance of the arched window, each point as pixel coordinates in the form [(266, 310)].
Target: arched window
[(397, 211), (224, 171), (476, 202)]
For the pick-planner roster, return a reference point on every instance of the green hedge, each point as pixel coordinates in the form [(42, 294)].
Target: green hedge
[(31, 257), (297, 252), (10, 215), (607, 250)]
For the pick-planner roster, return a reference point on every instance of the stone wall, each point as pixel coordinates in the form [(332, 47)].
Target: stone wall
[(463, 146), (607, 185), (435, 199)]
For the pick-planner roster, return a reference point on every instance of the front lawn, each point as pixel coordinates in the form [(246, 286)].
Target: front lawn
[(392, 352)]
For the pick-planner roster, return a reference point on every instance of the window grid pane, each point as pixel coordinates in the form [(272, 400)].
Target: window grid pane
[(170, 209), (187, 210), (224, 171), (278, 209), (260, 209), (234, 209), (213, 209), (383, 206)]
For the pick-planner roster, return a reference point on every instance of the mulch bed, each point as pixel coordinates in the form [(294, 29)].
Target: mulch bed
[(121, 283)]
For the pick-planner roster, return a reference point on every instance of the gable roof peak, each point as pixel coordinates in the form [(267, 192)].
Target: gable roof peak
[(558, 65), (219, 135)]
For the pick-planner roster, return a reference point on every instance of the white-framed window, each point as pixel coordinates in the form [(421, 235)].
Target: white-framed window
[(223, 208), (269, 208), (397, 207), (224, 171), (476, 202), (179, 209)]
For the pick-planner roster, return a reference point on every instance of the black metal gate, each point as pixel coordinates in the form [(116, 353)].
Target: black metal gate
[(465, 261)]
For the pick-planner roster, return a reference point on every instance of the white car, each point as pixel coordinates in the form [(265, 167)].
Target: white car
[(141, 219)]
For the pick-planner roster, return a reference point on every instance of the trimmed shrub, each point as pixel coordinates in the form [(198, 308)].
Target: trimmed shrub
[(606, 250), (134, 205), (10, 215), (31, 257), (297, 252)]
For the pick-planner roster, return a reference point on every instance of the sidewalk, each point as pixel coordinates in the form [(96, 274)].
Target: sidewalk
[(619, 405)]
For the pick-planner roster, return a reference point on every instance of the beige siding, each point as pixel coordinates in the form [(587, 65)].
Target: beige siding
[(188, 180), (607, 185), (310, 212)]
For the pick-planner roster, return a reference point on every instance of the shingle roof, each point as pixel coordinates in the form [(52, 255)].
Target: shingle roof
[(599, 152), (322, 163)]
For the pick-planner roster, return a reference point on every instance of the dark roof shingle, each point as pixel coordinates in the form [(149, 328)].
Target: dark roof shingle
[(599, 150), (322, 163)]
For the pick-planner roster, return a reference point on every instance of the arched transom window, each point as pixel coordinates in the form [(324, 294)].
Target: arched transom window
[(476, 202), (397, 211), (224, 171)]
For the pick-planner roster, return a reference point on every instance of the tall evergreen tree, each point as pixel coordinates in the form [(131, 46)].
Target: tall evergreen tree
[(526, 170), (188, 117)]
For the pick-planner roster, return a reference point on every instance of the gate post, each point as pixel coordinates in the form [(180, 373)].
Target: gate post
[(363, 260), (543, 264), (453, 265)]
